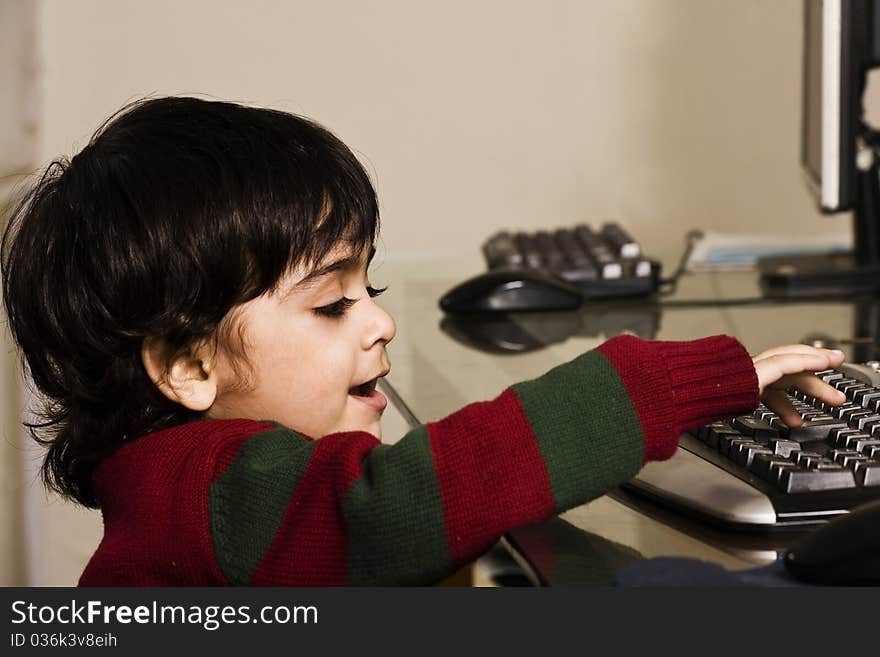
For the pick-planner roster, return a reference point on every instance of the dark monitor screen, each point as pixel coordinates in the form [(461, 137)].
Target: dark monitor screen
[(812, 125), (835, 41)]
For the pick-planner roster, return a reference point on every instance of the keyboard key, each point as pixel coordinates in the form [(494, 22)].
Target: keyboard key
[(723, 439), (500, 250), (812, 429), (571, 248), (777, 468), (864, 397), (801, 480), (829, 375), (755, 428), (551, 255), (747, 454), (717, 431), (861, 422), (528, 246), (796, 393), (762, 463), (620, 240), (867, 473), (851, 416), (847, 457), (642, 268), (579, 267), (851, 389), (836, 411), (837, 437), (783, 447), (598, 251), (805, 459), (859, 444), (728, 446)]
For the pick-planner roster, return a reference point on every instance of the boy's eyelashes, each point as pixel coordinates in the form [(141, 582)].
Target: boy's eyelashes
[(338, 308)]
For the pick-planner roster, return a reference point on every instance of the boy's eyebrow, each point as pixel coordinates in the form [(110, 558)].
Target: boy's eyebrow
[(347, 263)]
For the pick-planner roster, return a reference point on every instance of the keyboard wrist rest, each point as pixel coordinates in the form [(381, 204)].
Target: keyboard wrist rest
[(687, 480)]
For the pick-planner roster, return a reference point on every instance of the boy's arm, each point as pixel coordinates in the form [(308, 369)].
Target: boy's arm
[(346, 510)]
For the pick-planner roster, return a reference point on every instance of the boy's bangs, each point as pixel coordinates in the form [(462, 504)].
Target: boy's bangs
[(345, 219)]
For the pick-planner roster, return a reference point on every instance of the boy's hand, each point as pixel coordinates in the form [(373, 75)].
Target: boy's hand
[(793, 365)]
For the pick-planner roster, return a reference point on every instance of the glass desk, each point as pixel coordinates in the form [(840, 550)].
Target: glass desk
[(439, 365)]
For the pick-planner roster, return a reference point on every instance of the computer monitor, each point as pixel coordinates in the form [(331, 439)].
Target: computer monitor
[(840, 153)]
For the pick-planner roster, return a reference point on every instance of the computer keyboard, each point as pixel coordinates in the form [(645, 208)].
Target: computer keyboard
[(601, 264), (754, 472)]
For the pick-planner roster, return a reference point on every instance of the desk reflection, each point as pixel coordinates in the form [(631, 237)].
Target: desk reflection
[(515, 333), (558, 553)]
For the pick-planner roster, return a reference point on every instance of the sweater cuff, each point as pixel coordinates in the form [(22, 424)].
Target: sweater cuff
[(710, 378), (678, 385)]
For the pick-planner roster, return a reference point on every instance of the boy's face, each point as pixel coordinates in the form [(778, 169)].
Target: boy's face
[(307, 353)]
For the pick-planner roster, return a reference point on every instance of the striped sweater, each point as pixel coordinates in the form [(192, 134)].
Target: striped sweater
[(243, 502)]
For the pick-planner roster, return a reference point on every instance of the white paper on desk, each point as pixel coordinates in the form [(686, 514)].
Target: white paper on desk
[(726, 252)]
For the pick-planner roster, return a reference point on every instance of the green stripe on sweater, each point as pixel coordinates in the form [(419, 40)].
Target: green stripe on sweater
[(586, 426), (397, 495), (244, 523)]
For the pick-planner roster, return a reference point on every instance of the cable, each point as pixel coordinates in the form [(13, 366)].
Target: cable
[(668, 285)]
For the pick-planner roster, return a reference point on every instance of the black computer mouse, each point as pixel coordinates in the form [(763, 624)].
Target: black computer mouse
[(845, 552), (511, 290)]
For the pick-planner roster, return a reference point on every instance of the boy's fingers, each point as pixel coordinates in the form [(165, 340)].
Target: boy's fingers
[(778, 402), (784, 349), (835, 355), (773, 368), (815, 387)]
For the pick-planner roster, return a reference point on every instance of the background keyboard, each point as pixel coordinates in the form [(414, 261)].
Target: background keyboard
[(753, 472), (602, 264)]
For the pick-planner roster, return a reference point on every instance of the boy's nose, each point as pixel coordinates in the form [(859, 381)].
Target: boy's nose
[(381, 328)]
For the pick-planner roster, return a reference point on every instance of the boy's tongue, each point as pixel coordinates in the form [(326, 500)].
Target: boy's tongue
[(367, 394)]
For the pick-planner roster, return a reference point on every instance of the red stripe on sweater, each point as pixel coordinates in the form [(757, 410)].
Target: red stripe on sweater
[(634, 361), (310, 547), (157, 533), (499, 464)]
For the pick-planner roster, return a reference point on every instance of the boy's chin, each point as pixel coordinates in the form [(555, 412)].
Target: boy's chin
[(374, 429)]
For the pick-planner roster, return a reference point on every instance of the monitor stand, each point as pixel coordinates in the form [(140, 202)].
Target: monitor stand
[(824, 274), (834, 273)]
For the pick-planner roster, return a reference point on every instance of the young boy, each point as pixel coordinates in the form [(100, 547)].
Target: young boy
[(190, 295)]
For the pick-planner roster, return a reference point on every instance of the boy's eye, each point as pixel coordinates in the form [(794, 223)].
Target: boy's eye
[(336, 309)]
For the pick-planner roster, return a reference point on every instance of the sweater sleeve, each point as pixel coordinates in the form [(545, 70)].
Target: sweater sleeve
[(345, 509)]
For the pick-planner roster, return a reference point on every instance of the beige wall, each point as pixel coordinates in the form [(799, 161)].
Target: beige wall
[(18, 121), (478, 114), (471, 115)]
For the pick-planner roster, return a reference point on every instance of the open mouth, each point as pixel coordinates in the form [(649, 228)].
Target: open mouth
[(364, 389), (367, 394)]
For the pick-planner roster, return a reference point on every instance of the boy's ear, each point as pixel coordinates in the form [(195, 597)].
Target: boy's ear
[(185, 377)]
